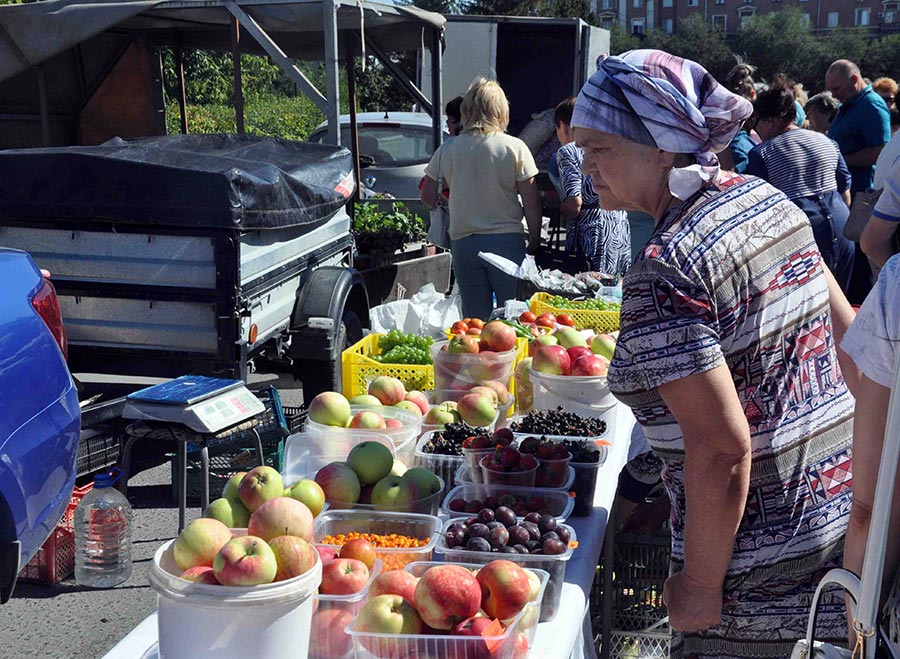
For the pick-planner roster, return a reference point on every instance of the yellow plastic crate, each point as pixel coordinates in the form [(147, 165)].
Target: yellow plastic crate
[(358, 369), (599, 321)]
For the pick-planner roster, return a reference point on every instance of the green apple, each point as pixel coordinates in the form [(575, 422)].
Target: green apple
[(395, 492), (330, 409), (570, 337), (230, 491), (409, 406), (309, 492), (371, 461), (365, 400), (399, 468), (442, 414), (426, 482), (603, 345), (232, 514), (199, 543), (260, 485)]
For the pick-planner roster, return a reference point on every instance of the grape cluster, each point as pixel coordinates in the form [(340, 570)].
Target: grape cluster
[(596, 304), (400, 348)]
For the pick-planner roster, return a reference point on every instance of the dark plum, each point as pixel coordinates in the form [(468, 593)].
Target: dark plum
[(485, 515), (478, 530), (549, 535), (518, 535), (547, 523), (455, 537), (563, 534), (533, 530), (522, 549), (531, 545), (499, 537), (491, 502), (508, 550), (553, 547), (505, 515), (478, 544), (495, 525), (534, 518)]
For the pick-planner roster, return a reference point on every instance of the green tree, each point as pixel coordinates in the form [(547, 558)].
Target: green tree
[(620, 40), (695, 40), (781, 42)]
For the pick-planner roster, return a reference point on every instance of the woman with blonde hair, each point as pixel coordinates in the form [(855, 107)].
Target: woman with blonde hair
[(491, 176)]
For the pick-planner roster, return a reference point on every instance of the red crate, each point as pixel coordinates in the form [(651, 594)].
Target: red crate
[(55, 560)]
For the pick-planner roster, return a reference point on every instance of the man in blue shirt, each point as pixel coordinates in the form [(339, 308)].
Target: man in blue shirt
[(861, 128), (863, 123)]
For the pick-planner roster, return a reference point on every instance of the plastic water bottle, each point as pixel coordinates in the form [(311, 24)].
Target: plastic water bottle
[(103, 535)]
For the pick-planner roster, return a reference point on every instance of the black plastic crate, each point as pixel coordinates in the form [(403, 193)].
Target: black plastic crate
[(235, 450), (296, 417), (98, 448)]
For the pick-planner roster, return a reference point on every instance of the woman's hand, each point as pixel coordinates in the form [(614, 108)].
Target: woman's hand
[(692, 606)]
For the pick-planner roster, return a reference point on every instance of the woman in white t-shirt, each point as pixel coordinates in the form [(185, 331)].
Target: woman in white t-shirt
[(872, 342), (491, 179)]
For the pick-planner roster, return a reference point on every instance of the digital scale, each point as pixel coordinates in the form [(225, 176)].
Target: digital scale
[(203, 404)]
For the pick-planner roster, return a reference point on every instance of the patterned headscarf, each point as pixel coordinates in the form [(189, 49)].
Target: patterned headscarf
[(663, 101)]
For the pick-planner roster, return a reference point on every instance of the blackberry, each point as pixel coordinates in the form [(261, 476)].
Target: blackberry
[(559, 422)]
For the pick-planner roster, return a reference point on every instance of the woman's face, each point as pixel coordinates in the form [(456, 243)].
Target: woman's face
[(626, 175)]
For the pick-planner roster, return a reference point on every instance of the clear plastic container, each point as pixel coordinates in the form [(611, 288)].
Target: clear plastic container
[(455, 371), (552, 502), (103, 535), (512, 642), (499, 477), (462, 477), (332, 614), (554, 565), (552, 473), (429, 505), (472, 460), (336, 522), (453, 395), (444, 466), (404, 437), (307, 452)]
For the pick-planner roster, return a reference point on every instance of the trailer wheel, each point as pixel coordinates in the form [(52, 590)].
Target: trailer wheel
[(318, 376)]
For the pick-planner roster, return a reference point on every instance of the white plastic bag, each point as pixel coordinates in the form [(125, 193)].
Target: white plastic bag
[(428, 313)]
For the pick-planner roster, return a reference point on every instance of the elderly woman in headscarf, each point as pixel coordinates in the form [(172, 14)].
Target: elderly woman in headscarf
[(727, 356)]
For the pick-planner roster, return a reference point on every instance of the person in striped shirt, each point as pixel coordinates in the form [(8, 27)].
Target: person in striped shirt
[(809, 169)]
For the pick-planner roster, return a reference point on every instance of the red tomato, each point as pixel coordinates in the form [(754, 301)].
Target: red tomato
[(477, 323), (546, 320), (565, 319), (459, 327), (527, 317)]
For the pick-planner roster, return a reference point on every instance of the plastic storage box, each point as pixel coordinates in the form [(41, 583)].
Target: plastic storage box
[(55, 560), (493, 476), (553, 502), (404, 438), (337, 522), (327, 638), (359, 369), (462, 477), (444, 466), (554, 565), (459, 371), (599, 321), (307, 452), (585, 395)]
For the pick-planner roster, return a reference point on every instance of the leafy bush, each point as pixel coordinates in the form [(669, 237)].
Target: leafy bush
[(385, 231), (292, 118)]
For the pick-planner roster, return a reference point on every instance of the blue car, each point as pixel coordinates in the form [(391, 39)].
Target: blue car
[(39, 415)]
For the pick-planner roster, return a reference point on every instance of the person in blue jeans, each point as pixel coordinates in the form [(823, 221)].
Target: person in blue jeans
[(491, 179)]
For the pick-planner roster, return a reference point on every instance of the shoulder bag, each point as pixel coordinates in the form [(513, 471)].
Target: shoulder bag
[(439, 228)]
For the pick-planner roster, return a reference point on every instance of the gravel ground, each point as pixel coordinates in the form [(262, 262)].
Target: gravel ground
[(67, 621)]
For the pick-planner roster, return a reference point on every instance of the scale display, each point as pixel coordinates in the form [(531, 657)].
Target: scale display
[(203, 404)]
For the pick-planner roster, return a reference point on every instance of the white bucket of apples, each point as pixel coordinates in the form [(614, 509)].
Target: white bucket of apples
[(240, 592)]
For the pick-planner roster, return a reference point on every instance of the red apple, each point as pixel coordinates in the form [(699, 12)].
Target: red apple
[(360, 549), (388, 614), (579, 351), (294, 556), (261, 484), (281, 516), (326, 553), (505, 589), (477, 410), (388, 390), (553, 360), (367, 420), (604, 345), (498, 336), (339, 482), (463, 345), (588, 365), (245, 561), (545, 340), (395, 582), (200, 574), (503, 395), (475, 626), (327, 638), (344, 576), (198, 544), (393, 423), (446, 595), (419, 399), (520, 649), (330, 409)]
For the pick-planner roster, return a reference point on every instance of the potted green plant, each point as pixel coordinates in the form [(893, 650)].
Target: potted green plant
[(382, 235)]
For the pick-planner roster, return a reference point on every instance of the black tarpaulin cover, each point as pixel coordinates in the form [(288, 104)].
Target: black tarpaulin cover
[(210, 181)]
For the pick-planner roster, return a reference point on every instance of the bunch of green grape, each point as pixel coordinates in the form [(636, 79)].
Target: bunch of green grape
[(596, 304), (400, 348)]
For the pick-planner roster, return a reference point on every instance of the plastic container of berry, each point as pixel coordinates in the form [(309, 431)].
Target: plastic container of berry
[(523, 500), (560, 423), (462, 476), (554, 564), (588, 455), (443, 454)]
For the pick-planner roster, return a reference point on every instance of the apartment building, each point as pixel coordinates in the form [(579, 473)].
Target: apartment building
[(638, 16)]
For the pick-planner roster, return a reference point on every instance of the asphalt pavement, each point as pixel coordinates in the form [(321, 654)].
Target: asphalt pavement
[(68, 621)]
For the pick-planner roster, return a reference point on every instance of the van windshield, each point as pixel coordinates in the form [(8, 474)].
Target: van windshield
[(391, 145)]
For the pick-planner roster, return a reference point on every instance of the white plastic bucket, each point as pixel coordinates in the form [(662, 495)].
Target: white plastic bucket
[(587, 396), (201, 621)]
